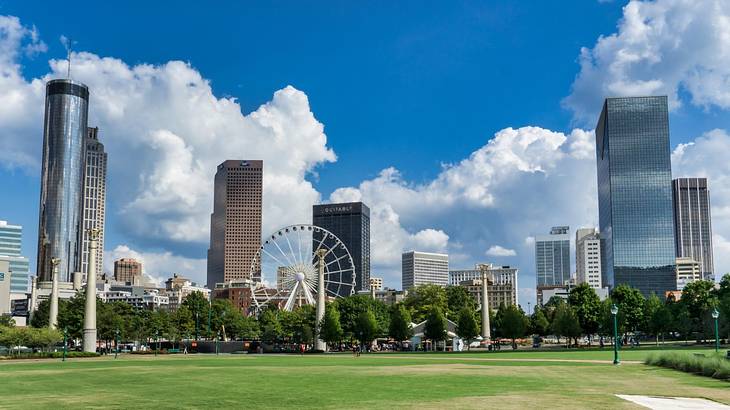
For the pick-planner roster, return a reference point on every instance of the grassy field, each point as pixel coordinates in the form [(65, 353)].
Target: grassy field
[(578, 379)]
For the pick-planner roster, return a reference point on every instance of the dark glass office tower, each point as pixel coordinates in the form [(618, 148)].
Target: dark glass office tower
[(692, 222), (62, 178), (635, 194), (350, 222)]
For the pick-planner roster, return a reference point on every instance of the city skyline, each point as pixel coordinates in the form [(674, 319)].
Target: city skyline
[(511, 184)]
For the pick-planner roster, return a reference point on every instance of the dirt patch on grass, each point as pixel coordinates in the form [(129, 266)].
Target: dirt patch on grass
[(451, 368), (524, 401)]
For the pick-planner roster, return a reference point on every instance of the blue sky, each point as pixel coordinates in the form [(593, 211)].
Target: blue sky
[(414, 85)]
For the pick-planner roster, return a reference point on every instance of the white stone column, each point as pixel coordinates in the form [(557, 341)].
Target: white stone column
[(319, 344), (90, 313), (33, 298), (486, 330), (53, 310)]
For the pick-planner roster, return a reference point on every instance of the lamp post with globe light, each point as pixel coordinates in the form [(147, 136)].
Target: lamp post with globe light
[(614, 312), (715, 315)]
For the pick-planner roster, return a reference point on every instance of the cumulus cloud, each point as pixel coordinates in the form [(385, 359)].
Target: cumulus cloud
[(497, 250), (166, 132), (158, 266), (519, 184), (662, 47)]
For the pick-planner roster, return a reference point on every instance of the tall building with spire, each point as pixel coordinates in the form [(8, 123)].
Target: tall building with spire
[(235, 224), (94, 198), (62, 178)]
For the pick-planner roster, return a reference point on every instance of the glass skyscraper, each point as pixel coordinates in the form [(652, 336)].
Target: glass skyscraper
[(635, 194), (11, 237), (350, 222), (552, 257), (692, 222), (62, 178)]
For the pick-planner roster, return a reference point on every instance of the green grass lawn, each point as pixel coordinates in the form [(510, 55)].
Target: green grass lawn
[(569, 379)]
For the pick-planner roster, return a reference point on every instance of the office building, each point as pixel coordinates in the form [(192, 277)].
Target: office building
[(693, 223), (350, 222), (688, 270), (11, 237), (128, 270), (635, 194), (421, 268), (376, 283), (94, 199), (238, 292), (178, 288), (552, 257), (62, 178), (501, 287), (5, 283), (235, 224), (588, 257)]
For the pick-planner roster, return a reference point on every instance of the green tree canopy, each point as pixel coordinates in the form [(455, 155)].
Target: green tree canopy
[(467, 327), (330, 328), (435, 328), (400, 323), (584, 300), (422, 299), (630, 304), (367, 327), (539, 324), (513, 323)]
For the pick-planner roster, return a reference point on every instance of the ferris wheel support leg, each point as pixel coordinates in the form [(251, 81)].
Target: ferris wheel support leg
[(319, 344)]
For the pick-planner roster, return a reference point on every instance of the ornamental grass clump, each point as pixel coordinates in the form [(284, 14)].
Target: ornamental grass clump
[(712, 365)]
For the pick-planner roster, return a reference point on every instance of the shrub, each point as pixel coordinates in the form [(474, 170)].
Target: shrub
[(710, 366), (48, 355)]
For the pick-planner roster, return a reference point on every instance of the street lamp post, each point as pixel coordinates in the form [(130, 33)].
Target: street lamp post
[(157, 340), (210, 310), (715, 315), (614, 312), (197, 323), (116, 343), (65, 336), (217, 339)]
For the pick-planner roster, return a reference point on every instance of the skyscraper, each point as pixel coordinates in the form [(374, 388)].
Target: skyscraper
[(350, 222), (421, 268), (94, 198), (635, 194), (62, 178), (552, 257), (692, 222), (11, 237), (128, 270), (235, 224), (588, 257)]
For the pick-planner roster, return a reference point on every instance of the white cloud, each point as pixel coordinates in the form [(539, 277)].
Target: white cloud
[(158, 266), (661, 47), (166, 132), (497, 250)]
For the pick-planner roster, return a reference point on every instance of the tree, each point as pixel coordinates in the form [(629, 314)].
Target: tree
[(513, 324), (458, 298), (539, 323), (435, 328), (330, 328), (367, 327), (661, 322), (270, 325), (630, 304), (651, 307), (7, 321), (566, 323), (400, 324), (467, 327), (587, 305), (423, 298), (245, 328), (699, 300), (683, 321), (350, 309)]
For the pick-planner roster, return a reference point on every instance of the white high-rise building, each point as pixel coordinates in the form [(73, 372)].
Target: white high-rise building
[(94, 198), (420, 268), (588, 257), (688, 270)]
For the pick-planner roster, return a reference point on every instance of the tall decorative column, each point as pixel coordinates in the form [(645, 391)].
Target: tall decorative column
[(90, 313), (486, 329), (319, 344), (53, 311)]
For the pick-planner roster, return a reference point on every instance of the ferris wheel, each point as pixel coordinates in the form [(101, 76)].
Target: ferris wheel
[(286, 267)]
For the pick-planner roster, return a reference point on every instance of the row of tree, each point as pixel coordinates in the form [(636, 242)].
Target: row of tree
[(40, 339)]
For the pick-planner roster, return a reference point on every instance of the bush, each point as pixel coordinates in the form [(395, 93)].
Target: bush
[(710, 366), (48, 355), (144, 352)]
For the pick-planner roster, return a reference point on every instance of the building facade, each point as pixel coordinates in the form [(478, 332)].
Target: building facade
[(693, 223), (236, 291), (5, 284), (635, 194), (94, 212), (421, 268), (501, 284), (350, 222), (588, 257), (11, 239), (552, 257), (177, 289), (62, 178), (128, 270), (688, 270), (235, 225), (376, 283)]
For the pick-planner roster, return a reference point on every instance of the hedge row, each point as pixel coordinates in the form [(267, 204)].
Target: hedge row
[(711, 366), (47, 355)]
